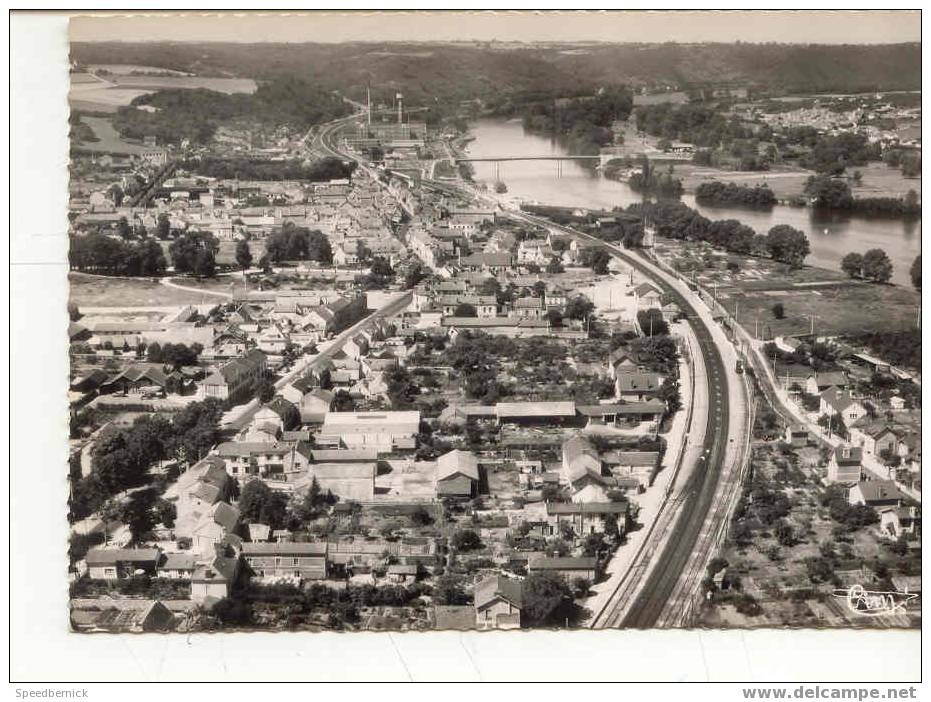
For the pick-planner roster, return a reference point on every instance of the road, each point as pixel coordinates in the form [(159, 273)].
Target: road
[(169, 283), (241, 416)]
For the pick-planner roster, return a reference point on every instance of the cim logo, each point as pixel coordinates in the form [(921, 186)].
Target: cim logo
[(871, 603)]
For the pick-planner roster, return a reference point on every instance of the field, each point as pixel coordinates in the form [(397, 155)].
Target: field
[(785, 183), (879, 180), (106, 94), (839, 305), (99, 291), (836, 310), (127, 68)]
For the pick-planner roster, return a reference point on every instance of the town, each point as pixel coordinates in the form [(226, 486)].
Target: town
[(342, 376)]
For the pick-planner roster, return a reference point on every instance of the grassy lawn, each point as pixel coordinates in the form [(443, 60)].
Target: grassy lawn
[(881, 181), (785, 183), (94, 291), (98, 291)]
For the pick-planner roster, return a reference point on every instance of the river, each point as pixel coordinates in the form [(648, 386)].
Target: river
[(576, 184)]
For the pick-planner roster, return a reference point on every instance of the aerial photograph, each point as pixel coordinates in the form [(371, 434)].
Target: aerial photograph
[(375, 326)]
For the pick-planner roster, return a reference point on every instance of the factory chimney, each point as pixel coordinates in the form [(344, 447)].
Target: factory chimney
[(368, 100), (400, 99)]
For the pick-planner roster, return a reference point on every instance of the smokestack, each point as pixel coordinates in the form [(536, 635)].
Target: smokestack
[(368, 100), (400, 99)]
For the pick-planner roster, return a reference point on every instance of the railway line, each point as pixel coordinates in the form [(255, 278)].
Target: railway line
[(701, 487)]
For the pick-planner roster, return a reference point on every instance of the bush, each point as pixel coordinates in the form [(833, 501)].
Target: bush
[(466, 540), (779, 311)]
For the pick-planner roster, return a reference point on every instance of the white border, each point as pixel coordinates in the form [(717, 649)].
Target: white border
[(44, 650)]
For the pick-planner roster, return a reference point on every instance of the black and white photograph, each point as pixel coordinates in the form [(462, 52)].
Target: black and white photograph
[(423, 321)]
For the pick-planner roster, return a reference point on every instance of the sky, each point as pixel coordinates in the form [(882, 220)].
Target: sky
[(819, 27)]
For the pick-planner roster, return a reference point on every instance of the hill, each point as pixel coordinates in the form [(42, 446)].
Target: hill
[(429, 72)]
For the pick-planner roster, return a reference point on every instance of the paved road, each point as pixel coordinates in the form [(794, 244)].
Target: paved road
[(239, 417), (169, 283)]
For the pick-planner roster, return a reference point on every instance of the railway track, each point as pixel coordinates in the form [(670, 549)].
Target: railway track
[(702, 484)]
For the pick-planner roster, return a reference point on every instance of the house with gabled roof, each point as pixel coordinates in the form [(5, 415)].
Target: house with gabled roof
[(876, 493), (498, 602), (118, 563), (237, 378), (647, 295), (635, 385), (843, 403), (845, 465), (821, 381), (582, 470), (457, 474)]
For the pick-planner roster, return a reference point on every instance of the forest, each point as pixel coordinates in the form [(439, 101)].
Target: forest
[(178, 114)]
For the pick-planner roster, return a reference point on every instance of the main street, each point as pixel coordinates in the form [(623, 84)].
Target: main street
[(240, 416)]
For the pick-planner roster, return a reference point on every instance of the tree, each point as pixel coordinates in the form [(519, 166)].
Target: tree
[(243, 254), (466, 540), (259, 503), (381, 268), (154, 352), (265, 391), (852, 264), (194, 252), (779, 311), (915, 272), (787, 245), (115, 192), (545, 594), (554, 265), (293, 243), (579, 307), (167, 513), (600, 259), (363, 252), (651, 322), (163, 226), (449, 589), (829, 193), (554, 317), (420, 517), (784, 533), (123, 229), (464, 309), (877, 266)]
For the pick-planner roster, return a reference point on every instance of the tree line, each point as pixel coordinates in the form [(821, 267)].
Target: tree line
[(675, 220), (716, 193), (230, 168), (98, 253), (830, 193)]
